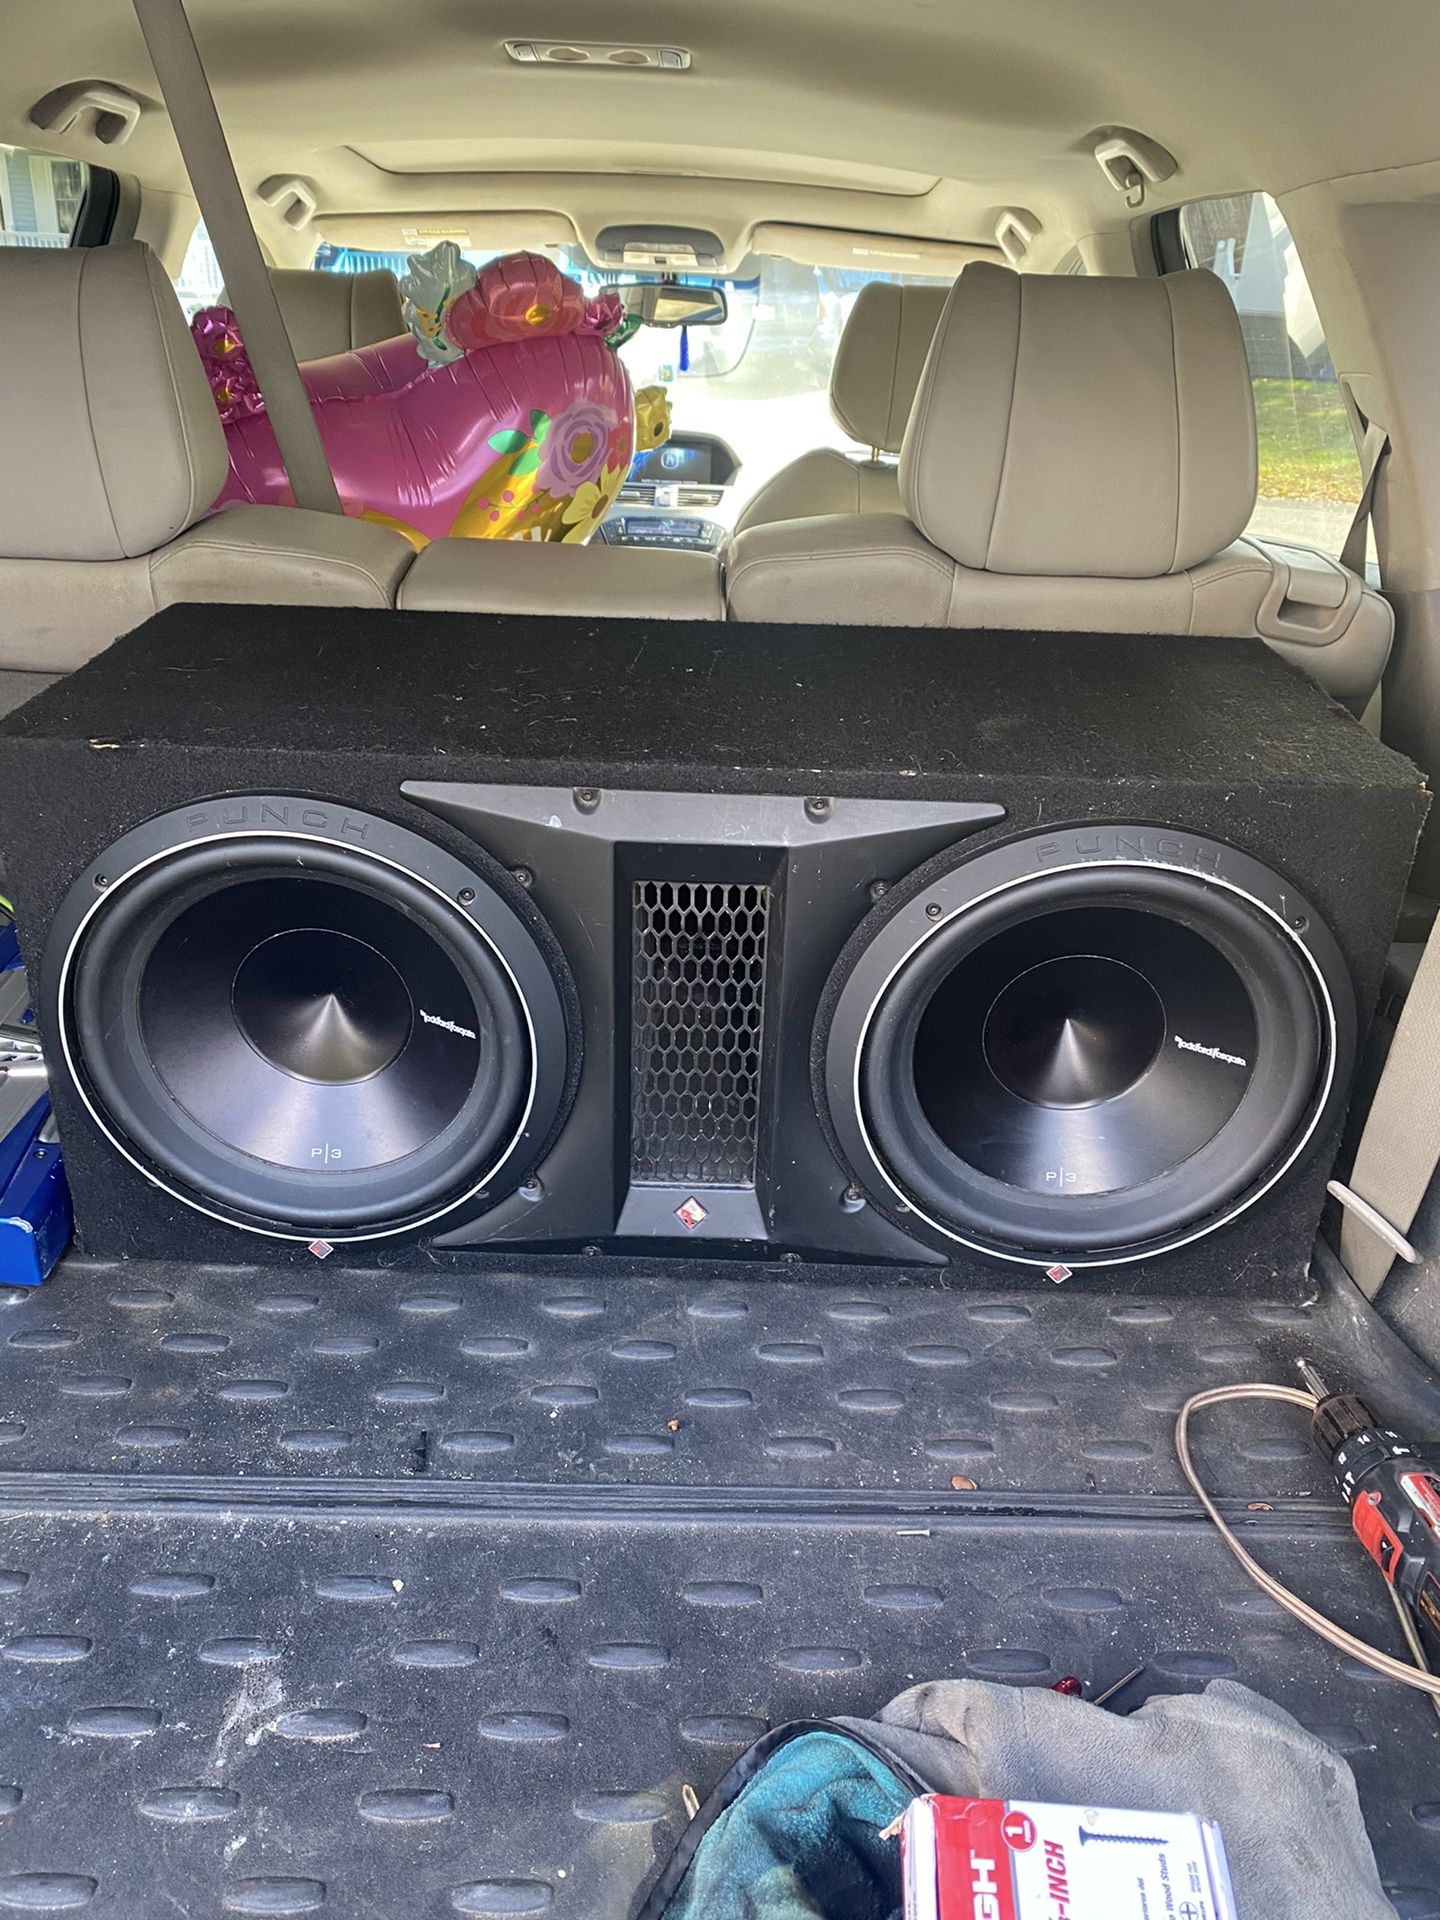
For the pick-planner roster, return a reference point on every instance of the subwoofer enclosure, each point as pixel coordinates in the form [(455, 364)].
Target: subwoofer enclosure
[(713, 846)]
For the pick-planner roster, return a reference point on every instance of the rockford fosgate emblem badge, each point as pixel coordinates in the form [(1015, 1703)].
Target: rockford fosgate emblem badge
[(434, 1020), (1210, 1053)]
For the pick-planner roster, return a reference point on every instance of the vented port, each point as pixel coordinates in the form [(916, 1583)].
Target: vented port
[(697, 1023)]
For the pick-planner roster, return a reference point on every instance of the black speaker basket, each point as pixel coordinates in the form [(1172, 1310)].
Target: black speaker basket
[(1085, 1048), (309, 1021)]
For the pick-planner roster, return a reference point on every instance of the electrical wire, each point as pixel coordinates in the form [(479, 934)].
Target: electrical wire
[(1412, 1639), (1299, 1609)]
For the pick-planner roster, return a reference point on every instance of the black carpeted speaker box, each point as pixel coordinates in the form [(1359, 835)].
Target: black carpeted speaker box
[(731, 876)]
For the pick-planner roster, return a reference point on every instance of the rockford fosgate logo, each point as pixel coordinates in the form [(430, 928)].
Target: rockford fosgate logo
[(434, 1020), (1210, 1053)]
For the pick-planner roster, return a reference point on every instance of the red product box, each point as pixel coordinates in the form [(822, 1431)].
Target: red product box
[(1026, 1860)]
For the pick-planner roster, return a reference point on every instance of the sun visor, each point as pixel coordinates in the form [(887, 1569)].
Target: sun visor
[(482, 231), (868, 252)]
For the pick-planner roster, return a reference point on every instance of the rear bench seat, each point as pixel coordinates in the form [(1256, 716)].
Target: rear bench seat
[(1080, 458), (1101, 497), (539, 576), (327, 313), (113, 455)]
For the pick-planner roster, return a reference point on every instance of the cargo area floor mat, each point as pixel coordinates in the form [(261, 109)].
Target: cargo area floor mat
[(421, 1593), (591, 1375)]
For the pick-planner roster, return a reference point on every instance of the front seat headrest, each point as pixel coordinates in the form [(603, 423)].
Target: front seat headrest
[(112, 442), (880, 358), (1070, 425)]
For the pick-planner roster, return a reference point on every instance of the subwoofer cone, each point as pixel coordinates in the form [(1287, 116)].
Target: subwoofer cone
[(1091, 1064), (322, 1005), (1072, 1031), (306, 1037)]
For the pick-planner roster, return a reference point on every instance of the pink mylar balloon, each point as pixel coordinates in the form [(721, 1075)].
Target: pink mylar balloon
[(529, 434), (523, 296)]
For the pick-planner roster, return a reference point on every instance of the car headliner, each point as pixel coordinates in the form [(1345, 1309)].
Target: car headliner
[(915, 119)]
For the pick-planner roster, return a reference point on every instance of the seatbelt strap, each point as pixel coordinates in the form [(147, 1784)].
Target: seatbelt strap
[(1400, 1146), (191, 105), (1373, 449)]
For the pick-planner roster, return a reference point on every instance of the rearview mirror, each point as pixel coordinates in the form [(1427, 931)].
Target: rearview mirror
[(669, 303)]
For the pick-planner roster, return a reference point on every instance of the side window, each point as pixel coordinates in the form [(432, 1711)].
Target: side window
[(200, 282), (40, 198), (1309, 469), (332, 259)]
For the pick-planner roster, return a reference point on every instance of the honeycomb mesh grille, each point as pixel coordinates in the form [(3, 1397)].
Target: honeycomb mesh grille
[(697, 1019)]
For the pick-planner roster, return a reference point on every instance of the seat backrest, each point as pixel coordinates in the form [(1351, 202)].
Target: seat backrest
[(1081, 456), (541, 576), (877, 368), (327, 313), (113, 452), (112, 442)]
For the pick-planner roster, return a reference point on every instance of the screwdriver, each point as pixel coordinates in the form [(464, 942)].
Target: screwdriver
[(1074, 1689)]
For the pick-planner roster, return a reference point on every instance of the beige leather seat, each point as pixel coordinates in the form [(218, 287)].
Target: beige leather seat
[(1081, 457), (877, 368), (589, 582), (113, 451), (327, 313)]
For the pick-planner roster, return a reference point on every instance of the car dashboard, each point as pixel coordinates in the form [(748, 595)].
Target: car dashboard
[(680, 495)]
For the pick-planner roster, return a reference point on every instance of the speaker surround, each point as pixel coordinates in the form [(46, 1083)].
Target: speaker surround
[(1086, 1048), (307, 1020)]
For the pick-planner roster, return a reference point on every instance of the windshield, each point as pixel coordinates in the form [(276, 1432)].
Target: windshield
[(760, 380)]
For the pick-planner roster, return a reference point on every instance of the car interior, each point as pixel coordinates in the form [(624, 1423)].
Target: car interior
[(933, 871)]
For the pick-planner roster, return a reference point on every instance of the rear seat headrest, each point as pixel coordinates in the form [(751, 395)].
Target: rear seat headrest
[(112, 443), (1072, 425), (327, 313), (880, 358)]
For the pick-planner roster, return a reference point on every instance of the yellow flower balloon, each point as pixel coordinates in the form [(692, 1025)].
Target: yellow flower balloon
[(592, 501), (652, 418)]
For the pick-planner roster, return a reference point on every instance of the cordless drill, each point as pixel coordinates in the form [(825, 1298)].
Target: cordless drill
[(1393, 1493)]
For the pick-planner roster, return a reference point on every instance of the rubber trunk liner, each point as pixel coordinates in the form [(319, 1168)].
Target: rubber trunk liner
[(594, 1375), (426, 1593)]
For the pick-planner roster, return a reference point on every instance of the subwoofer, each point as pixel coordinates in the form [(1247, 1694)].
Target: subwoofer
[(302, 1019), (1083, 1049), (443, 937)]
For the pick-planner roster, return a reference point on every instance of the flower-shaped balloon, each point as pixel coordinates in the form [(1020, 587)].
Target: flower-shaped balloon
[(227, 364), (524, 296), (576, 446), (652, 418), (592, 502), (605, 313), (527, 434), (434, 281)]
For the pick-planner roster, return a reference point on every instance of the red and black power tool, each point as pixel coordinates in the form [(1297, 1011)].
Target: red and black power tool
[(1393, 1493)]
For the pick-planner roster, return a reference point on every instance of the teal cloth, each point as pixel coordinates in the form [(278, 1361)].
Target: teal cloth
[(802, 1841)]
